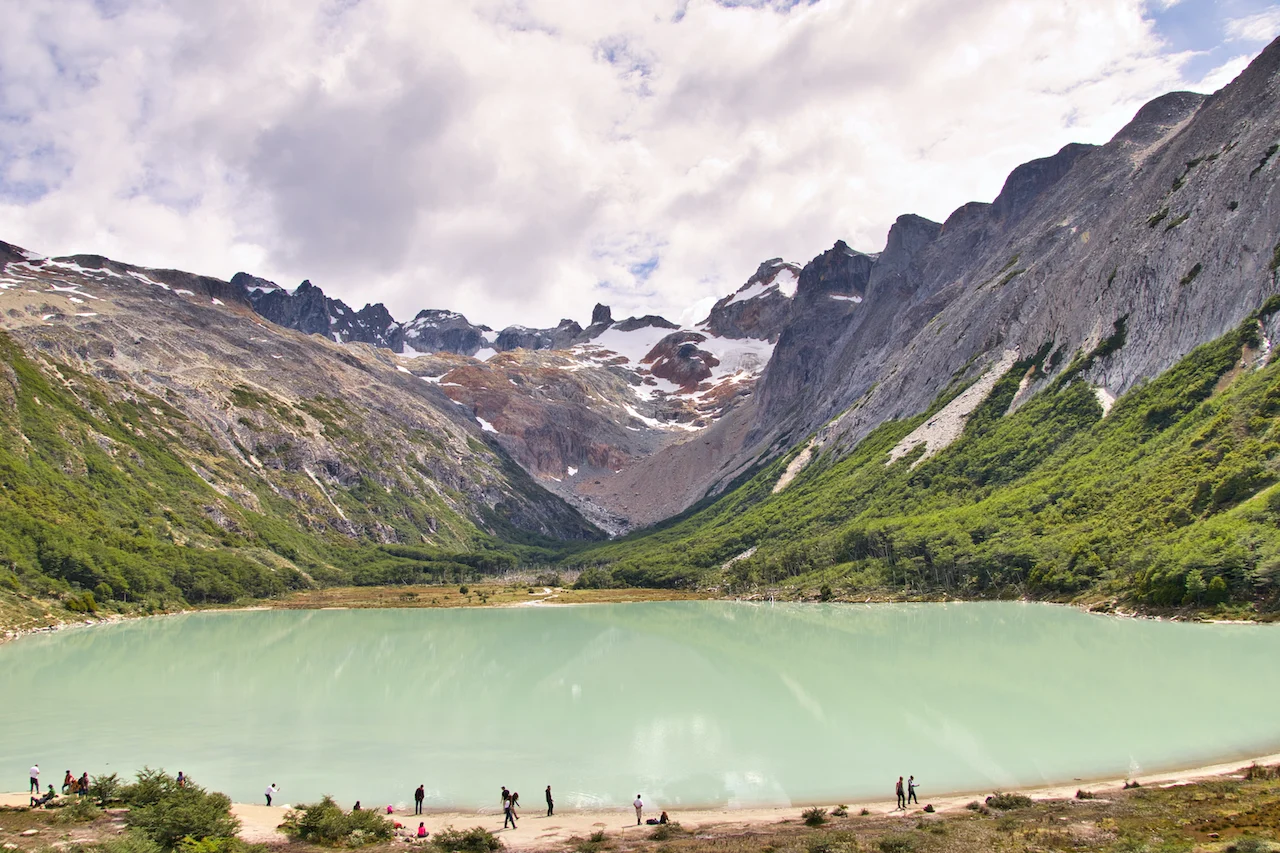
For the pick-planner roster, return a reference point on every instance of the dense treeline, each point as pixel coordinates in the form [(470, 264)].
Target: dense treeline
[(1165, 501)]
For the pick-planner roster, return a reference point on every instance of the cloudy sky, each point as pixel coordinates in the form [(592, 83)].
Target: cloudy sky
[(520, 160)]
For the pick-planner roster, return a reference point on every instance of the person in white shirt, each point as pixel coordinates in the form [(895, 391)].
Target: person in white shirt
[(271, 791), (639, 808), (35, 777)]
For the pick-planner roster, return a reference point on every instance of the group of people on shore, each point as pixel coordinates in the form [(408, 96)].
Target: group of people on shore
[(70, 785)]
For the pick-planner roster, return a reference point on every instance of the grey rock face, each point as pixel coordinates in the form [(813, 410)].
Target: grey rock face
[(758, 309), (443, 331)]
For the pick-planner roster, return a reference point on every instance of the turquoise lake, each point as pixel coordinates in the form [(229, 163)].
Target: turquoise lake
[(687, 703)]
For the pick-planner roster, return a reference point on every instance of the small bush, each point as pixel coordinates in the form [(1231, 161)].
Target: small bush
[(130, 842), (477, 839), (106, 789), (1007, 823), (973, 806), (80, 811), (464, 589), (1249, 844), (864, 812), (326, 823), (840, 811), (666, 831), (1008, 801), (597, 837), (897, 843), (1133, 784), (1260, 771), (218, 845), (815, 816), (1082, 794)]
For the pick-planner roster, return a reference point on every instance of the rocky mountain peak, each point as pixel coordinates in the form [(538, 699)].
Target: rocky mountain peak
[(1157, 116), (839, 271), (1026, 182), (601, 315)]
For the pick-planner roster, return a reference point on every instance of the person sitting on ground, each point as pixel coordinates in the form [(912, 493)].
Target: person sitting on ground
[(664, 818), (48, 797), (389, 809), (422, 830)]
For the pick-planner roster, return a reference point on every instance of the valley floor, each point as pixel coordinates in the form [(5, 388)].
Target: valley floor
[(1229, 806)]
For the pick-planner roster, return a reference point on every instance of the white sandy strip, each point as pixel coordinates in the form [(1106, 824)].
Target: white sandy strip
[(536, 831)]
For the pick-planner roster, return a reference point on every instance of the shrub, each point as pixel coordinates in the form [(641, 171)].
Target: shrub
[(1082, 794), (166, 813), (326, 823), (840, 811), (897, 843), (666, 831), (973, 805), (1249, 844), (1133, 784), (80, 811), (597, 837), (130, 842), (1008, 801), (106, 789), (218, 845), (477, 839), (815, 816), (1261, 771), (864, 812), (464, 589)]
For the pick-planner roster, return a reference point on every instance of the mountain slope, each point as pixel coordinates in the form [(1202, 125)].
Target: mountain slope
[(154, 427)]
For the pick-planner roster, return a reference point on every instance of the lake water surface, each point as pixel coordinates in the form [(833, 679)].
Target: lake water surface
[(688, 703)]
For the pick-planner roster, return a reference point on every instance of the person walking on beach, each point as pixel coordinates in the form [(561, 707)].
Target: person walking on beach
[(509, 810), (639, 804), (902, 799), (551, 806), (35, 777), (911, 791), (271, 791), (418, 796)]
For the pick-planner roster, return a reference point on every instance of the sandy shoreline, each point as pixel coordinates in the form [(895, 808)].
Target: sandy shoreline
[(537, 831)]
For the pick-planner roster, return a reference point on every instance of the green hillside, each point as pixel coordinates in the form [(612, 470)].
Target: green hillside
[(1166, 501), (101, 507)]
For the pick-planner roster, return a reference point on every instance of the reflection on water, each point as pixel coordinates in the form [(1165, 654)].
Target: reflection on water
[(687, 702)]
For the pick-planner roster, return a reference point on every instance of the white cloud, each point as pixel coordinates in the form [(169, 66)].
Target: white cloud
[(1260, 27), (519, 160)]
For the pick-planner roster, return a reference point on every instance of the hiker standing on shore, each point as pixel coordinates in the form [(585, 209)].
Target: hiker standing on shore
[(271, 791), (418, 796), (911, 791), (35, 777), (551, 806), (902, 798), (639, 804)]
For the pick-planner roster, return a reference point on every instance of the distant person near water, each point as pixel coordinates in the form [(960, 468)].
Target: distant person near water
[(551, 806), (35, 777), (911, 791), (271, 791), (182, 779), (82, 787), (356, 807), (639, 804), (418, 796), (902, 799), (68, 783)]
